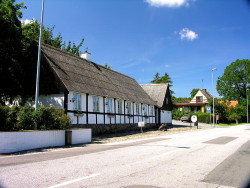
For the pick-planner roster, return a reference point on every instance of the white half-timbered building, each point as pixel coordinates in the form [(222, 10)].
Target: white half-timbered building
[(92, 95)]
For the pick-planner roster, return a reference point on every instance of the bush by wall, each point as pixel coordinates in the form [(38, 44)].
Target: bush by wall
[(26, 118), (203, 117)]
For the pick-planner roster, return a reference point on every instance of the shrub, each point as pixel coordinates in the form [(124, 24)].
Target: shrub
[(26, 121), (4, 111), (12, 118), (233, 117), (65, 122), (203, 117), (51, 118)]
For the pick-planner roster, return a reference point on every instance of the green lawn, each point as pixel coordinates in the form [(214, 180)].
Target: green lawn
[(229, 124)]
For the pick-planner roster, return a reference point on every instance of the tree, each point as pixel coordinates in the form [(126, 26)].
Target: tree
[(31, 32), (18, 51), (233, 83), (163, 79), (220, 109), (180, 99), (156, 79), (10, 45), (193, 92)]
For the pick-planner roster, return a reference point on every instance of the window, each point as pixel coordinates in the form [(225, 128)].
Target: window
[(128, 107), (95, 104), (119, 107), (137, 109), (144, 110), (151, 110), (166, 100), (77, 101), (109, 105), (199, 99)]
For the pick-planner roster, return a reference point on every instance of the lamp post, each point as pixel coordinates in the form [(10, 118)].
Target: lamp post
[(247, 103), (38, 60), (213, 92)]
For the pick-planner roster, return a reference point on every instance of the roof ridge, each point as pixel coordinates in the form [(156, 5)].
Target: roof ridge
[(73, 55), (156, 84)]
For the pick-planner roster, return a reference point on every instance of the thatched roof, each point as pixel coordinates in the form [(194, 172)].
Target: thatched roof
[(83, 76), (206, 94), (156, 91)]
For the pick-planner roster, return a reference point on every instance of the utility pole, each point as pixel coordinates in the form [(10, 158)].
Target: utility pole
[(247, 103), (213, 92), (39, 60)]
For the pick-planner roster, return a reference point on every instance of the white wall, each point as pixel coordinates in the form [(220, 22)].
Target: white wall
[(19, 141), (80, 136), (166, 116), (57, 100)]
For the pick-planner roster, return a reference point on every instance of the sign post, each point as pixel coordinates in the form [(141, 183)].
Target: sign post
[(209, 111), (217, 119), (141, 124), (194, 119)]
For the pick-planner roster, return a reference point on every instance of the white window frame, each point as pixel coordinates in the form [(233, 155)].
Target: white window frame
[(119, 106), (128, 106), (109, 105), (151, 110), (145, 110), (77, 101), (96, 104), (137, 109)]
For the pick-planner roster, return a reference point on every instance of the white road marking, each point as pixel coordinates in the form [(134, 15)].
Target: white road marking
[(73, 181)]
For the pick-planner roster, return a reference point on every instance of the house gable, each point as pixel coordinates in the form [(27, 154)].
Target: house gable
[(159, 93), (167, 104), (202, 96)]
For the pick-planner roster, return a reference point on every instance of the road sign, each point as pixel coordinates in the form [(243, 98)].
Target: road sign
[(217, 117), (194, 118), (141, 124), (209, 109)]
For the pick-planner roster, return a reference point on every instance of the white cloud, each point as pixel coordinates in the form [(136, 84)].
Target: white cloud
[(27, 21), (166, 66), (167, 3), (185, 33)]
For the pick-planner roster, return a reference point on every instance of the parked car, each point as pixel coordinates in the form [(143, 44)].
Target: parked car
[(186, 117)]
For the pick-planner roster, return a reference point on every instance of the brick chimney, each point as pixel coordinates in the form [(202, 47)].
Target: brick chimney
[(204, 90)]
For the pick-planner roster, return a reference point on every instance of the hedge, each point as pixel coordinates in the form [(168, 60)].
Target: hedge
[(26, 118), (202, 117)]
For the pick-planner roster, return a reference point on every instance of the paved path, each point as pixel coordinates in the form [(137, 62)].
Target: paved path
[(191, 159)]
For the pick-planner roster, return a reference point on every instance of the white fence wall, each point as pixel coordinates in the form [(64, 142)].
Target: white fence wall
[(19, 141), (80, 136), (26, 140)]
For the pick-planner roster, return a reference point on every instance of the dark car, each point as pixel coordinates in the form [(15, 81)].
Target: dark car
[(186, 117)]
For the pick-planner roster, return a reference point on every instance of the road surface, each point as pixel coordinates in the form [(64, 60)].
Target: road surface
[(217, 157)]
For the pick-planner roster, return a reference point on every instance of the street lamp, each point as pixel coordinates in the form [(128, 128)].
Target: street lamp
[(247, 103), (213, 92)]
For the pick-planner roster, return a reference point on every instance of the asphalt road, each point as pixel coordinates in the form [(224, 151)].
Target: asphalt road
[(217, 157)]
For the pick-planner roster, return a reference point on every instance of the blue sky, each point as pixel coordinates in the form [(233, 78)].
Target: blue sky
[(185, 38)]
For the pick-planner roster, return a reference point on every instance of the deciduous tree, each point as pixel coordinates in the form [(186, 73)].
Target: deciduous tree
[(193, 92), (233, 83)]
